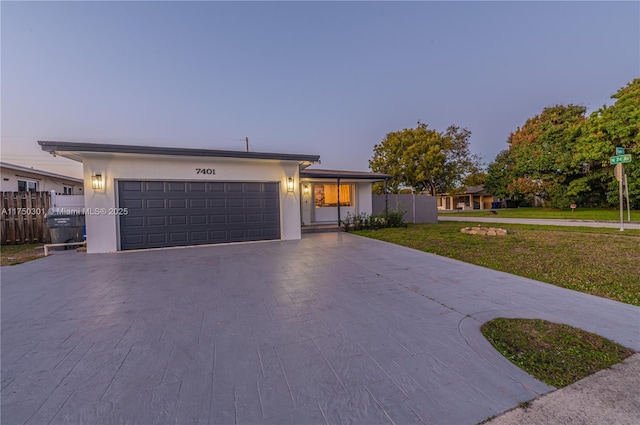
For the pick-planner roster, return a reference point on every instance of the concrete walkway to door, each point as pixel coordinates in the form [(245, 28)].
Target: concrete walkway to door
[(331, 329)]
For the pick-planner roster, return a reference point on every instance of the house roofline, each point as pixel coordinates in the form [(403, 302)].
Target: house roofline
[(73, 150), (342, 174), (36, 171)]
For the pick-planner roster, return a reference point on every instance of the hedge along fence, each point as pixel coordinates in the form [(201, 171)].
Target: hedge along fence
[(23, 217)]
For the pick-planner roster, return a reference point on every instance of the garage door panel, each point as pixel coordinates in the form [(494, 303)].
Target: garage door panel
[(134, 221), (199, 237), (253, 187), (131, 203), (218, 235), (177, 213), (235, 187), (217, 203), (177, 220), (156, 203), (272, 233), (197, 187), (254, 218), (270, 218), (178, 237), (235, 203), (218, 219), (157, 221), (176, 187), (198, 219), (157, 238), (270, 203), (253, 203), (153, 186), (236, 218), (134, 239), (197, 203), (132, 187)]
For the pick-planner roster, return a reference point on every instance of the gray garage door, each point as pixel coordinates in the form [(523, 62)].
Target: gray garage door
[(176, 213)]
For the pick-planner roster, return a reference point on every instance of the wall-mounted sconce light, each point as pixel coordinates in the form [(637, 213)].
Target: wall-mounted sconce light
[(306, 189), (97, 182), (290, 184)]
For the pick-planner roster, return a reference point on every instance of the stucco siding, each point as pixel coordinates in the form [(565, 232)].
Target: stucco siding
[(102, 229)]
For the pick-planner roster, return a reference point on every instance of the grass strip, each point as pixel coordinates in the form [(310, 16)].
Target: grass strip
[(10, 255), (556, 354)]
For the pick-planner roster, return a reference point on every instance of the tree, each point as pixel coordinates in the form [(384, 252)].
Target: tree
[(424, 159), (609, 127), (539, 161), (499, 175)]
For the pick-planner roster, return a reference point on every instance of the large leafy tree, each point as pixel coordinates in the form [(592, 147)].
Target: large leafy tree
[(609, 127), (563, 157), (539, 161), (424, 159)]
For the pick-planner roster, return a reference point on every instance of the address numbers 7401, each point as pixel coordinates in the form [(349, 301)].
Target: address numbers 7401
[(205, 170)]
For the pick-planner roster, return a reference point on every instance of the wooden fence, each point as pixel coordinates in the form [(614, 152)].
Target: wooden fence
[(23, 217)]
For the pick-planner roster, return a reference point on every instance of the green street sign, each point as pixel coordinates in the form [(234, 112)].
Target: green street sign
[(619, 151), (620, 159)]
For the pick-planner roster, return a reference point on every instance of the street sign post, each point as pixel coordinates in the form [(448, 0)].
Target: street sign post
[(620, 159), (617, 171)]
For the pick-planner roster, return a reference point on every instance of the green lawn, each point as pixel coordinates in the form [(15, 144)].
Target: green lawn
[(554, 353), (602, 262), (550, 213)]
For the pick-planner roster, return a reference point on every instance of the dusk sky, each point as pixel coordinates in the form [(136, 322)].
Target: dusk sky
[(323, 78)]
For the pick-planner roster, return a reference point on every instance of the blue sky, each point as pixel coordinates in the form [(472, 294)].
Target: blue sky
[(321, 78)]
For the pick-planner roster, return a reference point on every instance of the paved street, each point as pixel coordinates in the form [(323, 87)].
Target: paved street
[(331, 329), (542, 222)]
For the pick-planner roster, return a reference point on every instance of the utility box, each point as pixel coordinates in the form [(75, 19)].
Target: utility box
[(65, 228)]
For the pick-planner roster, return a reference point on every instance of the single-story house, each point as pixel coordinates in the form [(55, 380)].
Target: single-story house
[(16, 178), (473, 198), (140, 197)]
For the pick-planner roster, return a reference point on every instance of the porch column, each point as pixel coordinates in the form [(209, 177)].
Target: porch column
[(339, 221), (481, 202), (386, 199)]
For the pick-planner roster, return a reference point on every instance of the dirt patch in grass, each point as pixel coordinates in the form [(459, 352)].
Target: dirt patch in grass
[(11, 255), (597, 261), (556, 354)]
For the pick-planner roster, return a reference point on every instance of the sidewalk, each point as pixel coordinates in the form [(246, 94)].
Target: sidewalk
[(542, 222), (609, 396)]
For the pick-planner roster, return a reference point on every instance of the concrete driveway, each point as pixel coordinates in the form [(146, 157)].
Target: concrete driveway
[(331, 329)]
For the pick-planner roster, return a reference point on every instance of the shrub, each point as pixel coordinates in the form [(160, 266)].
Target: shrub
[(364, 221)]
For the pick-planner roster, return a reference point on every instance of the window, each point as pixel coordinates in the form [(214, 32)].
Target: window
[(326, 195), (67, 190), (27, 186)]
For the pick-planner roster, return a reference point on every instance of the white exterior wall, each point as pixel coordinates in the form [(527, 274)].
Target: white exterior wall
[(364, 198), (103, 231)]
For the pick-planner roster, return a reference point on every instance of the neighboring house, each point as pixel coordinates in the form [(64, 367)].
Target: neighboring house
[(140, 197), (16, 178), (473, 198)]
